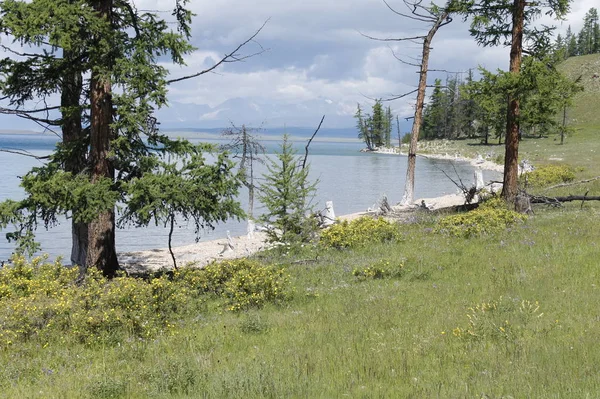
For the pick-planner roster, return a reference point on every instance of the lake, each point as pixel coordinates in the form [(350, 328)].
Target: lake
[(354, 181)]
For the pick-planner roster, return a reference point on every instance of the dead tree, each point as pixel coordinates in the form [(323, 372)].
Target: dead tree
[(246, 147), (435, 17)]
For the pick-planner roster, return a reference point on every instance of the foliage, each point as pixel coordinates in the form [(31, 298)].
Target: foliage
[(243, 283), (490, 217), (547, 175), (381, 269), (359, 232), (186, 187), (39, 301), (375, 128), (287, 194)]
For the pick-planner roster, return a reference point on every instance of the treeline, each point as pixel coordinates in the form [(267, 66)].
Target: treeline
[(469, 108), (587, 41), (375, 129)]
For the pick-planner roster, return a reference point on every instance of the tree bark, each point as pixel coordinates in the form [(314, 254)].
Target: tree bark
[(72, 132), (409, 185), (511, 158), (101, 233)]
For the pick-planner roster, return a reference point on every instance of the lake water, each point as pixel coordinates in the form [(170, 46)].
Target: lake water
[(353, 180)]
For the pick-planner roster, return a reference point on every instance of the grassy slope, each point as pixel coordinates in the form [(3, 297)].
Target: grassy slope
[(382, 338), (580, 149)]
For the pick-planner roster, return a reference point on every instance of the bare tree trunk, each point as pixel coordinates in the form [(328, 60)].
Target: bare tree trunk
[(101, 233), (511, 158), (72, 131), (409, 185)]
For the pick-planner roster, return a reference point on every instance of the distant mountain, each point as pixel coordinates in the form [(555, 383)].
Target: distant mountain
[(255, 112), (295, 118)]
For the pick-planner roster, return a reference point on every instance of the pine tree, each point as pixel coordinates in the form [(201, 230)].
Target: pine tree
[(496, 22), (287, 194), (377, 124), (107, 53), (434, 114), (362, 125)]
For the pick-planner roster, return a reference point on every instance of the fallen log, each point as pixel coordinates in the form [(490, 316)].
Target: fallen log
[(573, 183), (540, 199)]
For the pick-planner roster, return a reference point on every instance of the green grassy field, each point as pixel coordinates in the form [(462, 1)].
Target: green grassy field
[(399, 337), (512, 314)]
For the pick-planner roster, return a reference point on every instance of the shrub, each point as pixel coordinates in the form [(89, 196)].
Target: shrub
[(547, 175), (359, 232), (39, 300), (243, 283), (380, 269), (506, 319), (491, 217)]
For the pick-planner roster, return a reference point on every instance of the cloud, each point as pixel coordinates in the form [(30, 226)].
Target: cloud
[(317, 59)]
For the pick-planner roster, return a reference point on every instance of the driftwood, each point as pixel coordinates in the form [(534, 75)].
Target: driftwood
[(556, 201), (573, 183)]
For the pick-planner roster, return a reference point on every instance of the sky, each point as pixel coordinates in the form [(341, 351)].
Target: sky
[(316, 60)]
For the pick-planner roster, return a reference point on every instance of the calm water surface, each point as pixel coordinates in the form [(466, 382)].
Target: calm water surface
[(354, 181)]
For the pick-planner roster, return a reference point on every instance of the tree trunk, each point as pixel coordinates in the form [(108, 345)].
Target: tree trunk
[(564, 126), (409, 185), (101, 233), (72, 132), (511, 158)]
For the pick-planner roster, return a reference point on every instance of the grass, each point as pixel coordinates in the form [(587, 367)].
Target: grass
[(339, 336)]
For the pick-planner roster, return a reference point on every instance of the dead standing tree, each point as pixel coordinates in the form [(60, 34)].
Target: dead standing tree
[(435, 17)]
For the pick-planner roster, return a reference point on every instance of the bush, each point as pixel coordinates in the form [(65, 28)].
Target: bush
[(505, 319), (491, 217), (547, 175), (381, 269), (40, 300), (359, 232), (242, 282)]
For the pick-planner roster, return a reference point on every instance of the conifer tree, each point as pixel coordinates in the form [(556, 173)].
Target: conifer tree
[(287, 194), (106, 53), (509, 23)]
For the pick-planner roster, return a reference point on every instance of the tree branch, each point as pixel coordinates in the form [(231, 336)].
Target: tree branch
[(230, 57), (309, 141)]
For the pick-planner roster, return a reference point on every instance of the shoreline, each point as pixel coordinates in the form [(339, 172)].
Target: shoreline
[(205, 252), (478, 162)]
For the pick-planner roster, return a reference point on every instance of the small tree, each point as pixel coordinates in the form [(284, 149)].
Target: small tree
[(187, 187), (287, 194)]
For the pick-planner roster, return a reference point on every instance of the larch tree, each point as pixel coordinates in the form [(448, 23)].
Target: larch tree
[(511, 23), (435, 17), (101, 58)]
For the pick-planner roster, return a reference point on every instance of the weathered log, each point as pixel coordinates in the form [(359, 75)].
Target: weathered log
[(540, 199)]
